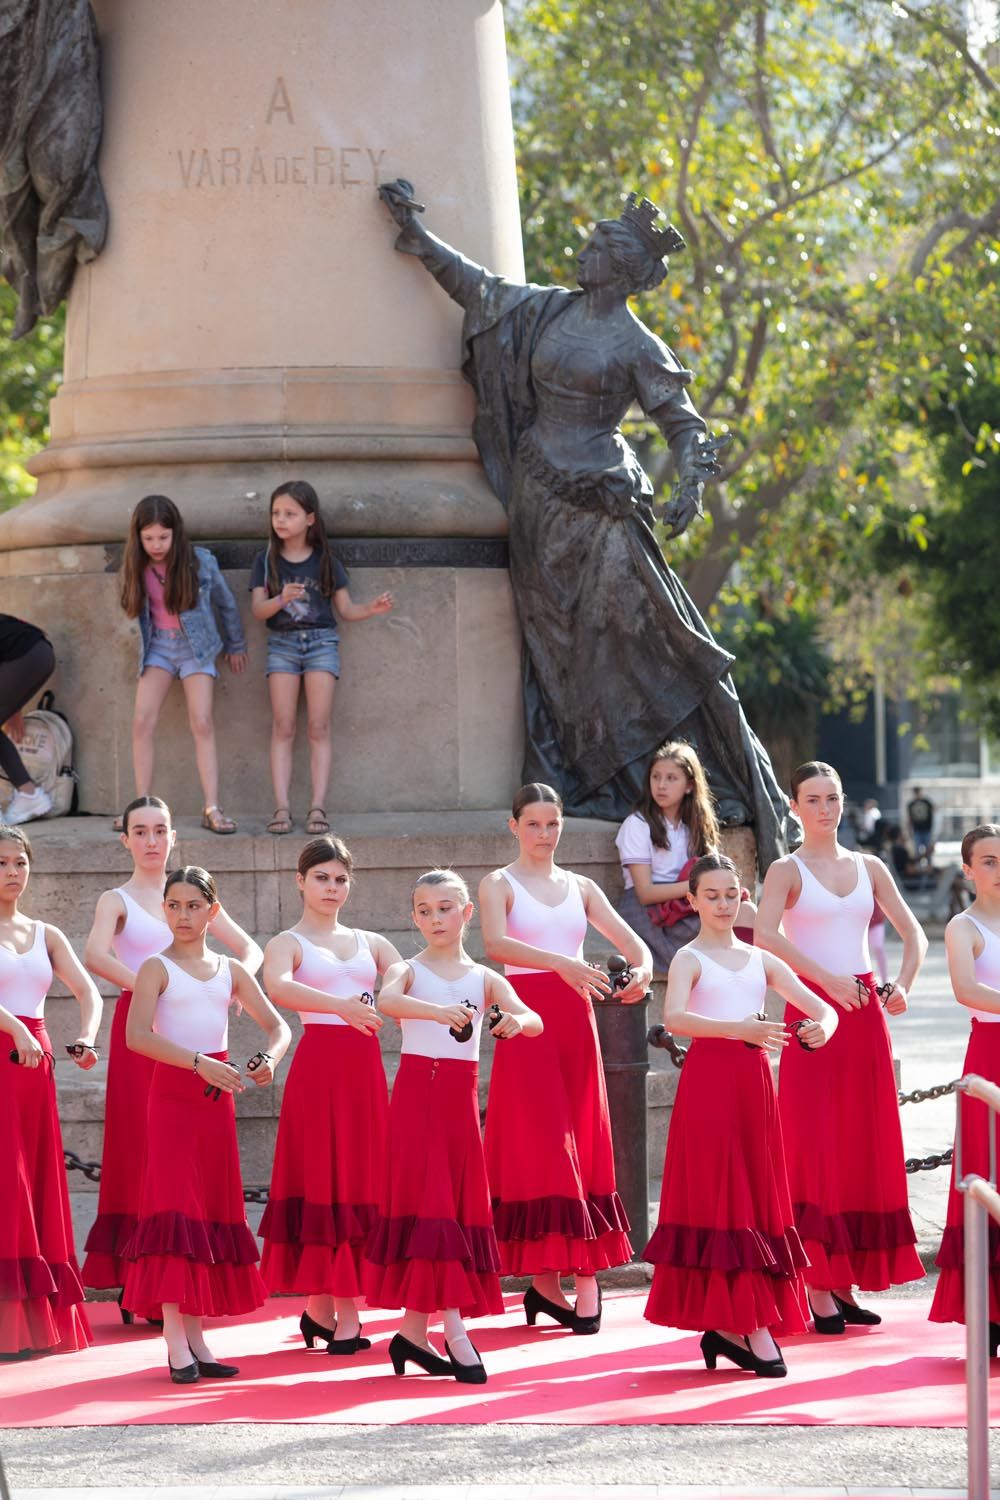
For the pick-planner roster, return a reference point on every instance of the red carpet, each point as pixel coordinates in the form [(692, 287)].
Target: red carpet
[(908, 1373)]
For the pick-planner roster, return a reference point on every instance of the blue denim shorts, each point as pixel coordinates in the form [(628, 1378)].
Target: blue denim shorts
[(169, 650), (298, 651)]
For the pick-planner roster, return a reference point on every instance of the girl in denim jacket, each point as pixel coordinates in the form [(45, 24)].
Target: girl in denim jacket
[(177, 593)]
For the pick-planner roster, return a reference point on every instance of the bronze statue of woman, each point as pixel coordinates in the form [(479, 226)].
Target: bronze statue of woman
[(617, 659)]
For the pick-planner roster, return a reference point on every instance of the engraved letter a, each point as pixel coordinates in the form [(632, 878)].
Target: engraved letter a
[(280, 103)]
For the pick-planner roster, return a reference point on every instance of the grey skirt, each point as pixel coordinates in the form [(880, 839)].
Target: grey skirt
[(663, 942)]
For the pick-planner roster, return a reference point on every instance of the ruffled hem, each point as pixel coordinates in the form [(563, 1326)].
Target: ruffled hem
[(869, 1270), (846, 1233), (572, 1218), (207, 1291), (564, 1254), (30, 1276), (308, 1270), (688, 1248), (35, 1324), (429, 1286), (948, 1305), (409, 1238), (209, 1243), (951, 1255), (737, 1300), (104, 1263), (295, 1221)]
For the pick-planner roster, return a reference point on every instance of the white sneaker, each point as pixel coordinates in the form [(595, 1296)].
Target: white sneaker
[(24, 806)]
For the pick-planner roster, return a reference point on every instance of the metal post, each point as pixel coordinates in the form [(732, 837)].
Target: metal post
[(976, 1359), (622, 1033)]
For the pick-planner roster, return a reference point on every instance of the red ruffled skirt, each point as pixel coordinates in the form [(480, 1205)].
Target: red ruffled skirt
[(982, 1056), (41, 1296), (129, 1077), (328, 1164), (844, 1149), (725, 1249), (548, 1142), (433, 1245), (192, 1244)]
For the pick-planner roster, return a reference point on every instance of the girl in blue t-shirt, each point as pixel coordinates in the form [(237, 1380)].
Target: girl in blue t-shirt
[(295, 584)]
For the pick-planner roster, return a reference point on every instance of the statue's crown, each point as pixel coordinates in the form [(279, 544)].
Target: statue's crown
[(651, 226)]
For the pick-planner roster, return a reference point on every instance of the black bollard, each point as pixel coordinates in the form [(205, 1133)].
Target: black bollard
[(622, 1033)]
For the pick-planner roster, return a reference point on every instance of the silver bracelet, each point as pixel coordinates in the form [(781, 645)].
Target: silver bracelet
[(196, 1057)]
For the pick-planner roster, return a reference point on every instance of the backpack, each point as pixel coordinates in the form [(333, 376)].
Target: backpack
[(46, 747)]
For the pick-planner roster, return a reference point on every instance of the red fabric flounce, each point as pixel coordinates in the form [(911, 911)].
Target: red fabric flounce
[(739, 1300), (726, 1249), (293, 1221), (199, 1290), (210, 1244), (849, 1231), (428, 1286), (548, 1142), (473, 1246)]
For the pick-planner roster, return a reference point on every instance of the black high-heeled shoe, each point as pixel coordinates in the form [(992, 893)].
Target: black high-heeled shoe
[(593, 1323), (994, 1339), (833, 1323), (467, 1374), (851, 1313), (401, 1350), (311, 1331), (535, 1303), (349, 1346), (713, 1344), (210, 1369), (127, 1316), (186, 1375)]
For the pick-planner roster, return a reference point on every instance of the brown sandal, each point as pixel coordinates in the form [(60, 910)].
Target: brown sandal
[(215, 820), (317, 821), (281, 822)]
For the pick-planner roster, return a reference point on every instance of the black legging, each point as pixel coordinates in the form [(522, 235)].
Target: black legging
[(20, 679)]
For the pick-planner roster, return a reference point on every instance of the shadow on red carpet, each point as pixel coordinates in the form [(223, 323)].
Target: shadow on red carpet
[(908, 1373)]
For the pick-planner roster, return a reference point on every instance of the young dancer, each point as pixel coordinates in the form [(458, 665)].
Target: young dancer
[(295, 584), (330, 1151), (843, 1141), (973, 942), (726, 1251), (673, 825), (548, 1133), (41, 1298), (192, 1253), (129, 928), (433, 1248), (176, 591)]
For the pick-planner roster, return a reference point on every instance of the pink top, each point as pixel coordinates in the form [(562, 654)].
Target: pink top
[(987, 966), (193, 1012), (728, 994), (159, 614), (141, 936), (832, 930), (25, 978), (430, 1038), (342, 977), (557, 929)]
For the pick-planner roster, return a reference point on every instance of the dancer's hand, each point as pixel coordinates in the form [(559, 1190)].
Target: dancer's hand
[(510, 1025), (898, 1001), (237, 661), (848, 994), (29, 1050), (361, 1016), (770, 1035), (813, 1034), (86, 1058), (588, 981), (219, 1075), (637, 986), (454, 1015)]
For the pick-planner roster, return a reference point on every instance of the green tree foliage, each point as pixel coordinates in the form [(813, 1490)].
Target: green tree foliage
[(30, 371), (832, 167)]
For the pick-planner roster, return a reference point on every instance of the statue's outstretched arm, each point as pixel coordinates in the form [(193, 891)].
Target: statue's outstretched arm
[(462, 279)]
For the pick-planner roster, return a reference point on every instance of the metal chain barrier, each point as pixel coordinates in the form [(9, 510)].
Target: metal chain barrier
[(939, 1091), (92, 1171)]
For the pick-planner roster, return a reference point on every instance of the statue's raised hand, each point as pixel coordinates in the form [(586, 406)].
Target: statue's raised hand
[(399, 200), (682, 507)]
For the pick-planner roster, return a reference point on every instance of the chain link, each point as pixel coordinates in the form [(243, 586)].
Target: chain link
[(939, 1091), (928, 1163)]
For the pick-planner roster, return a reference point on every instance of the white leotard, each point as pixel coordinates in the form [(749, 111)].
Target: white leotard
[(141, 936), (342, 977), (25, 978), (556, 929), (987, 966), (194, 1013), (430, 1038), (728, 994), (832, 930)]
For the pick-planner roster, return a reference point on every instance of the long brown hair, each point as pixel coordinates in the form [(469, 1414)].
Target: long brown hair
[(697, 808), (180, 585), (302, 492)]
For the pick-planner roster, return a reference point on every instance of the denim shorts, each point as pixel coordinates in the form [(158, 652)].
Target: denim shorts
[(169, 650), (298, 651)]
